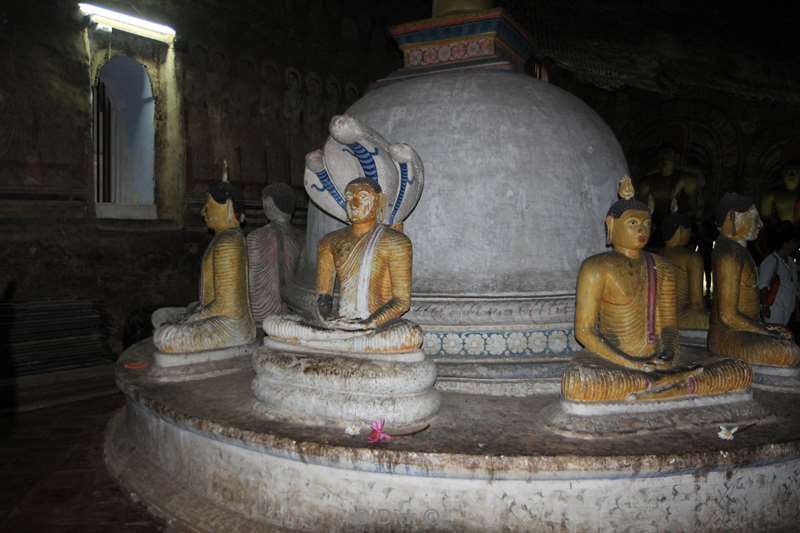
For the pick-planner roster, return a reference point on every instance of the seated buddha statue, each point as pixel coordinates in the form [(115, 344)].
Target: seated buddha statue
[(222, 317), (736, 328), (783, 204), (668, 184), (626, 319), (273, 251), (353, 359), (368, 260), (371, 263), (688, 268)]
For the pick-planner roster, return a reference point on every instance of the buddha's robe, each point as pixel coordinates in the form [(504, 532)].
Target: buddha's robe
[(273, 251), (223, 318), (637, 317), (374, 276), (736, 329)]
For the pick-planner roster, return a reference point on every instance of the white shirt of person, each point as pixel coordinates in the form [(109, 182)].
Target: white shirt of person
[(782, 308)]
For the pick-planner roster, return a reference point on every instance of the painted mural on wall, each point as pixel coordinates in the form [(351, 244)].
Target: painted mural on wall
[(258, 115)]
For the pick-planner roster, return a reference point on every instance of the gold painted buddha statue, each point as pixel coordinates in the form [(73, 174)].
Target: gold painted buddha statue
[(371, 264), (668, 184), (626, 319), (688, 268), (783, 204), (736, 328), (370, 259), (354, 359), (222, 318)]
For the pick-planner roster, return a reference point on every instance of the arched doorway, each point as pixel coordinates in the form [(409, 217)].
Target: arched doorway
[(124, 140)]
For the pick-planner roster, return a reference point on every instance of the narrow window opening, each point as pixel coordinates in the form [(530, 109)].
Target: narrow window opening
[(124, 128)]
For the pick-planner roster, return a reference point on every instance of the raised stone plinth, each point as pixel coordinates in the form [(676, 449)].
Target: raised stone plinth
[(609, 420), (776, 378), (345, 388), (144, 361), (202, 455)]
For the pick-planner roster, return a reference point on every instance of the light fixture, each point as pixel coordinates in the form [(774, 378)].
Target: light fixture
[(119, 21)]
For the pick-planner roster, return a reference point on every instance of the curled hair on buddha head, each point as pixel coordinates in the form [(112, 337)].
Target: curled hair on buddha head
[(222, 191), (282, 196), (367, 181), (732, 201), (626, 200), (671, 223)]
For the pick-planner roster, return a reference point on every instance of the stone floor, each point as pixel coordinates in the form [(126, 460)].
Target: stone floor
[(52, 475)]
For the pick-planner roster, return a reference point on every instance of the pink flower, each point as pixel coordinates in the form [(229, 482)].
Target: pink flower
[(377, 434)]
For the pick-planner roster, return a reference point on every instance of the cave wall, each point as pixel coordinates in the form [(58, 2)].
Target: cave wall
[(737, 143), (250, 82)]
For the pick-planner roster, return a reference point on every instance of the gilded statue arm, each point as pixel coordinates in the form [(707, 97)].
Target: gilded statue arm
[(227, 265), (695, 272), (326, 277), (591, 281), (399, 256), (728, 279), (667, 322)]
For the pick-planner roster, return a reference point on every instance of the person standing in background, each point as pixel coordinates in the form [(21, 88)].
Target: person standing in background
[(779, 268)]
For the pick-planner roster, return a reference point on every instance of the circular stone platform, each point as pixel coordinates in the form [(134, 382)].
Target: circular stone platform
[(199, 454)]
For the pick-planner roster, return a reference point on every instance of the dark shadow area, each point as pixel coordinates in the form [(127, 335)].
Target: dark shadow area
[(138, 326), (8, 385)]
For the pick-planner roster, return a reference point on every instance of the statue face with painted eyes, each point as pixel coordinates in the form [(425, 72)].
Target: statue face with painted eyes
[(362, 202), (630, 231)]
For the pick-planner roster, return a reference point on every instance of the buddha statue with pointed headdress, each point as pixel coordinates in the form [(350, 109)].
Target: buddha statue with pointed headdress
[(626, 319), (222, 318), (356, 359)]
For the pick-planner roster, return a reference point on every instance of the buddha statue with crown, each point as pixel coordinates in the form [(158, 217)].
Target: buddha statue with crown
[(372, 186), (626, 319), (736, 328), (222, 318), (688, 269)]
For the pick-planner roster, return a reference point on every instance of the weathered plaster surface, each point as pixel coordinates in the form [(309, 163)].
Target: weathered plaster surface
[(486, 463)]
